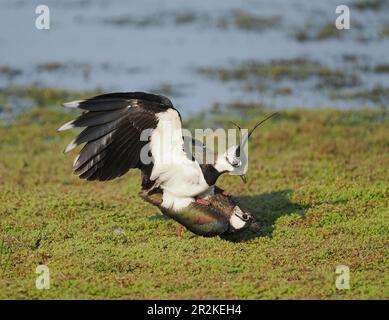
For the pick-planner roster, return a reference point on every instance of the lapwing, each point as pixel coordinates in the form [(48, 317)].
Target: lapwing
[(222, 216), (123, 129)]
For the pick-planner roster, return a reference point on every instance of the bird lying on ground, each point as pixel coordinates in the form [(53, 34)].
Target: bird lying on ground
[(222, 215), (123, 129)]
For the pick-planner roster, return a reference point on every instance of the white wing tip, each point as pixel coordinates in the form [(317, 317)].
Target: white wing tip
[(72, 104), (76, 159), (66, 126), (70, 146)]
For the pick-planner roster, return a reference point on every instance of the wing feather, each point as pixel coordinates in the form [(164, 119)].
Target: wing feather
[(113, 125)]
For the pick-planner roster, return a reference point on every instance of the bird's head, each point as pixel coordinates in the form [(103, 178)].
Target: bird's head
[(235, 160), (242, 219), (232, 162)]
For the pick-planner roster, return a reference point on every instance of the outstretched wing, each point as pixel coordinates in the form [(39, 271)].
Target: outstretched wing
[(113, 125)]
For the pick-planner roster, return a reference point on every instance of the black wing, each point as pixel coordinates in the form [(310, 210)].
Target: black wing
[(114, 123)]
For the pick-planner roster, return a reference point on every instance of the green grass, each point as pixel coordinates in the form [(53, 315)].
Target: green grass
[(246, 21), (385, 32), (318, 183), (298, 69), (376, 94), (328, 31), (43, 97), (368, 4)]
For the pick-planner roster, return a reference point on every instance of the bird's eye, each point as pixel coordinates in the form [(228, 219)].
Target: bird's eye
[(235, 163), (245, 217)]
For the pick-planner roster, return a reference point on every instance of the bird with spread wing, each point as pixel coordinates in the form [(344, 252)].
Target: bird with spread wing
[(115, 141)]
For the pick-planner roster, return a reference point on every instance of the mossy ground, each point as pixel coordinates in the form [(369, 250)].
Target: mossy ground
[(318, 183)]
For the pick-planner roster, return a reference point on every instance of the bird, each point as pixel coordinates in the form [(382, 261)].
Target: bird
[(222, 216), (139, 130)]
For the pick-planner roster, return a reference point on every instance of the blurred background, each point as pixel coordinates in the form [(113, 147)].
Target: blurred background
[(205, 55)]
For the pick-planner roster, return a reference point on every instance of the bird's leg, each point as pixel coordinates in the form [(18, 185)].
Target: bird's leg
[(179, 230), (203, 201)]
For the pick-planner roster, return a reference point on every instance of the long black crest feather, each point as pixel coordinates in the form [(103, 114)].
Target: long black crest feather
[(237, 152), (260, 122)]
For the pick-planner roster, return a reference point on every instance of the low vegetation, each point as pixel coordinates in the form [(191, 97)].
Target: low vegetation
[(247, 21), (313, 32), (378, 95), (385, 32), (368, 4), (42, 97), (252, 73)]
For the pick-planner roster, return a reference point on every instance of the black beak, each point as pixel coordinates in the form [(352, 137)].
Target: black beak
[(243, 177), (254, 226)]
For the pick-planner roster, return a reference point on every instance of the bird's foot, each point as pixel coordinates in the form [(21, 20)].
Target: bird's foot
[(203, 201), (179, 231)]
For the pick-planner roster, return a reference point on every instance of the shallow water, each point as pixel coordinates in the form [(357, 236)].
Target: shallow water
[(158, 45)]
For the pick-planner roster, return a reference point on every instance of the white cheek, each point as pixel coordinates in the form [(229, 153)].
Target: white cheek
[(236, 222), (222, 165)]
